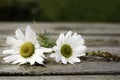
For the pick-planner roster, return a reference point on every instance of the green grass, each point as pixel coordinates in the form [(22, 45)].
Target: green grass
[(61, 10)]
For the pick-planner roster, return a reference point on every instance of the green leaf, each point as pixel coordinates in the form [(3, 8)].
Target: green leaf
[(45, 41)]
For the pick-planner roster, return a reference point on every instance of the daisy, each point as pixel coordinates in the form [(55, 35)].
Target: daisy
[(68, 48), (25, 48)]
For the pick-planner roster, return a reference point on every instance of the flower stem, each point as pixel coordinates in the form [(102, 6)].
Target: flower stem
[(105, 55)]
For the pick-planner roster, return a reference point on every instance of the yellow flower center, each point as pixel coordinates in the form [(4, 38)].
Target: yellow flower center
[(27, 50), (66, 50)]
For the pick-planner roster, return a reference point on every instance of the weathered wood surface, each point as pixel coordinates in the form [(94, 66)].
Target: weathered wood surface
[(89, 66), (77, 77), (94, 34), (98, 36)]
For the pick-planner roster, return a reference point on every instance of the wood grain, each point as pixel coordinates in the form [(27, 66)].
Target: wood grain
[(95, 34), (90, 66), (77, 77), (98, 36), (56, 28)]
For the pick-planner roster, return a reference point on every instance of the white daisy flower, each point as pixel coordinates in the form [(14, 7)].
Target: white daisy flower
[(25, 48), (68, 48)]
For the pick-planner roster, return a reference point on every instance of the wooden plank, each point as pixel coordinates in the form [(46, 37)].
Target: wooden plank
[(83, 68), (77, 77), (91, 41), (95, 34), (56, 28), (90, 66), (97, 41)]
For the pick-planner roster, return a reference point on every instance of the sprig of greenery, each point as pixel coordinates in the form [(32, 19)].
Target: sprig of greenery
[(45, 41)]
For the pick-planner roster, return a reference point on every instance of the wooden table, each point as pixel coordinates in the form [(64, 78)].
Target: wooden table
[(98, 36)]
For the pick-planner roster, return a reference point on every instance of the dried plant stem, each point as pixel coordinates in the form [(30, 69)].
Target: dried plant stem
[(105, 55)]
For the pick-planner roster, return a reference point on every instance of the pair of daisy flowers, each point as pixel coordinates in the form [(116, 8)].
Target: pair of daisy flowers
[(26, 49)]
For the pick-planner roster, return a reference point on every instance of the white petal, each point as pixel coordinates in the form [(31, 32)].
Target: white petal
[(68, 35), (30, 34), (82, 54), (22, 62), (12, 41), (15, 62), (46, 49), (56, 48), (56, 55), (52, 55), (22, 59), (19, 60), (9, 51), (26, 59), (80, 50), (39, 60), (78, 54), (60, 40), (37, 45), (77, 40), (74, 35), (73, 60), (20, 35), (32, 61), (64, 61), (39, 52), (80, 41), (11, 58), (57, 58), (77, 60)]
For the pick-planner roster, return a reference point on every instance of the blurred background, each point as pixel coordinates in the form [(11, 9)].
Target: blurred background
[(60, 10)]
